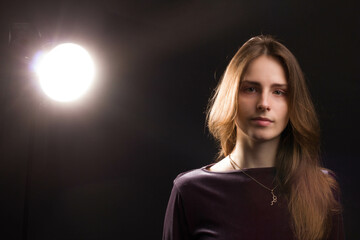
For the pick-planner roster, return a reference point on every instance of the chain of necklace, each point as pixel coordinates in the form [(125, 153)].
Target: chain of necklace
[(274, 197)]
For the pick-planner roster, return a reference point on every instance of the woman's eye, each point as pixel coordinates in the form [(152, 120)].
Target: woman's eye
[(279, 92), (250, 89)]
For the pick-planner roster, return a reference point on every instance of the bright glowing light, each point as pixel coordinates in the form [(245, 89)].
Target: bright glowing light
[(66, 72)]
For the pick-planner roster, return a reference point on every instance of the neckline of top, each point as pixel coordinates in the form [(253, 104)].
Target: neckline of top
[(206, 169)]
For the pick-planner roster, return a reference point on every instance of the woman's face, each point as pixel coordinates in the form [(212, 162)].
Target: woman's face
[(263, 104)]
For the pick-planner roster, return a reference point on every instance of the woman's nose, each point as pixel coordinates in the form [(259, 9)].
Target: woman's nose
[(263, 103)]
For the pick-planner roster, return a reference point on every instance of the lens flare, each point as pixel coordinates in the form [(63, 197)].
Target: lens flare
[(66, 72)]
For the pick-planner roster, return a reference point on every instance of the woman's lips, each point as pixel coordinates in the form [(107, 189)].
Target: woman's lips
[(263, 122)]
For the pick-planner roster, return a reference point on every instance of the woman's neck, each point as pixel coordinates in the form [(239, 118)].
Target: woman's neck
[(251, 154)]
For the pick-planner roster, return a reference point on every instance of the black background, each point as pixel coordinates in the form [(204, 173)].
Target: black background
[(102, 167)]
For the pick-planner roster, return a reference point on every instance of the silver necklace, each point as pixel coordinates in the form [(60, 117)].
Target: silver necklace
[(274, 197)]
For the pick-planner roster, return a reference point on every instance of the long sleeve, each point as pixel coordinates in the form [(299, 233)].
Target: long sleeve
[(175, 225)]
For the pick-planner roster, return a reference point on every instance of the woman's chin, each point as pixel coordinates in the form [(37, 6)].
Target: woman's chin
[(263, 137)]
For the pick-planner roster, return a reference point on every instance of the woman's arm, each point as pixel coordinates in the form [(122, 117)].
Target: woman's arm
[(175, 224)]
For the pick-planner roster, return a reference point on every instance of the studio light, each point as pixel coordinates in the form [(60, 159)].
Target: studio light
[(66, 72)]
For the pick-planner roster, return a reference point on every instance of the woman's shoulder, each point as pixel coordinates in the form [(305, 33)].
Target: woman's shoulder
[(328, 173), (331, 178), (200, 178), (191, 176), (200, 173), (206, 177)]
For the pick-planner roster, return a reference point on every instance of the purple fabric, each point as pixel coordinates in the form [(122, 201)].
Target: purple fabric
[(229, 205)]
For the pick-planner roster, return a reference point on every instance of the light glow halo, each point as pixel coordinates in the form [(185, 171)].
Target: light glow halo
[(66, 72)]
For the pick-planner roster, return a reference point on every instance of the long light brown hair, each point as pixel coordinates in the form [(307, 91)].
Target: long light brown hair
[(309, 191)]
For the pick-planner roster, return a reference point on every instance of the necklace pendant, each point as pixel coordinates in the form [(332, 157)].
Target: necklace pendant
[(274, 198)]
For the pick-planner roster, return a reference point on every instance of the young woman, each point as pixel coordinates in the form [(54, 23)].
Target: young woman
[(268, 182)]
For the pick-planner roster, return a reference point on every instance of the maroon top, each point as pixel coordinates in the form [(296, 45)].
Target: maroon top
[(229, 206)]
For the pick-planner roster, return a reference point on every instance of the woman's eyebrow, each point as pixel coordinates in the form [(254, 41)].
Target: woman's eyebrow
[(279, 85), (250, 82), (258, 84)]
